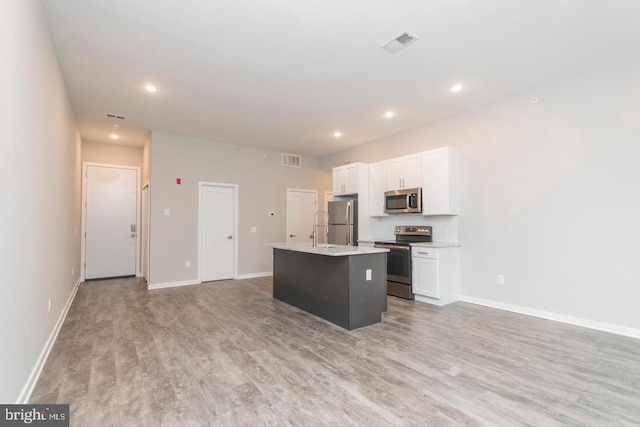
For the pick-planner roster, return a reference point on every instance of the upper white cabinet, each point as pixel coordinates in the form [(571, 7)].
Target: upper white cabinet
[(350, 179), (404, 172), (377, 185), (440, 182), (435, 171)]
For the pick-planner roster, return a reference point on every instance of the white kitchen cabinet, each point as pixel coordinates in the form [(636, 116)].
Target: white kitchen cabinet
[(425, 277), (440, 182), (349, 179), (377, 186), (339, 180), (436, 274), (404, 172)]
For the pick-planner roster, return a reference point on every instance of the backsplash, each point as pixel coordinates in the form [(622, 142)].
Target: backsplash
[(445, 228)]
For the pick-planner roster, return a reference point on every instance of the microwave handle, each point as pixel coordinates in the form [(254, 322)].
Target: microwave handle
[(408, 201)]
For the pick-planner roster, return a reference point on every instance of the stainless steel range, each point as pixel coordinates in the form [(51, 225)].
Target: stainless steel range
[(399, 258)]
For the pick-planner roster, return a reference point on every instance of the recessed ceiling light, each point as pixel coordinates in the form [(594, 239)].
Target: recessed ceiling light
[(389, 114), (114, 136), (456, 87), (151, 88), (337, 134)]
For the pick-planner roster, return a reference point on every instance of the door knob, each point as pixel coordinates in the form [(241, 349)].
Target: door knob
[(292, 235), (229, 237)]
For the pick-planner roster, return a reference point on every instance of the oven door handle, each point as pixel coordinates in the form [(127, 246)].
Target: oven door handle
[(401, 248)]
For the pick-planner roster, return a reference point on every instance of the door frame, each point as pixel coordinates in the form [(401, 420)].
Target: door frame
[(328, 197), (83, 235), (299, 190), (202, 184), (145, 227)]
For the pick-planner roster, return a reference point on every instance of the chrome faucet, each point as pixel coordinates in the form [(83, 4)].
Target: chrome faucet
[(314, 232)]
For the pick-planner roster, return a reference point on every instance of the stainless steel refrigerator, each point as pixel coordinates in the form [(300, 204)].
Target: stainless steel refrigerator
[(343, 222)]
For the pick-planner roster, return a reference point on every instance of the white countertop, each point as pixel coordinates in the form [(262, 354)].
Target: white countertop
[(436, 245), (330, 250)]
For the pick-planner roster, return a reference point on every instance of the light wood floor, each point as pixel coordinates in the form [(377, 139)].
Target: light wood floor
[(226, 353)]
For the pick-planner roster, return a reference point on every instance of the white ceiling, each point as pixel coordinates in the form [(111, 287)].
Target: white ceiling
[(286, 74)]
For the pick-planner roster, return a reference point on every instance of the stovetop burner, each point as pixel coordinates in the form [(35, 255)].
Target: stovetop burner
[(405, 235), (386, 242)]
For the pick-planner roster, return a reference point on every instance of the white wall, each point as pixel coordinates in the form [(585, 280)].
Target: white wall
[(113, 154), (262, 182), (146, 161), (40, 193), (550, 194)]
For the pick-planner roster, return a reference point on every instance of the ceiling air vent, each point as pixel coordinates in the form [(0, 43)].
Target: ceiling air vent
[(399, 42), (292, 160), (115, 116)]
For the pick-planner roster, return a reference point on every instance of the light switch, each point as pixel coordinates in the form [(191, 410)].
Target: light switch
[(368, 274), (254, 229), (167, 211)]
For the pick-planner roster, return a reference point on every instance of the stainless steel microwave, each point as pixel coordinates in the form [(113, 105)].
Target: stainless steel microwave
[(403, 201)]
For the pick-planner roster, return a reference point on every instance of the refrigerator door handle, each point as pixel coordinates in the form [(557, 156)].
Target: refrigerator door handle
[(348, 228)]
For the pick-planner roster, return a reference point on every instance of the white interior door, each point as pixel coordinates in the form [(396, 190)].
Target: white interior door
[(111, 222), (301, 207), (217, 232)]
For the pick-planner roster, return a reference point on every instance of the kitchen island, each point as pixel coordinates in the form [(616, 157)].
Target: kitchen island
[(346, 285)]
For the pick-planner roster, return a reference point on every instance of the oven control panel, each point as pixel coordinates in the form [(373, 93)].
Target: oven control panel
[(414, 230)]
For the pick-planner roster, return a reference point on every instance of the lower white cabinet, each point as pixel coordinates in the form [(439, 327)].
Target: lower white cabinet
[(436, 274)]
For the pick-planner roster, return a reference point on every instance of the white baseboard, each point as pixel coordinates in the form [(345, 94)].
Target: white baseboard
[(25, 394), (152, 286), (577, 321), (433, 301), (253, 275)]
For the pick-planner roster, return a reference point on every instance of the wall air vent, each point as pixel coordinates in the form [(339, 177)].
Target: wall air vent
[(399, 42), (115, 116), (292, 160)]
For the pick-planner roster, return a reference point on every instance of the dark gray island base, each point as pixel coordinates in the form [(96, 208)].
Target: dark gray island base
[(333, 287)]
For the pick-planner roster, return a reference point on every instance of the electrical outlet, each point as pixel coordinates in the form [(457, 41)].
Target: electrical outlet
[(500, 279), (50, 302), (187, 264), (254, 229), (368, 274)]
